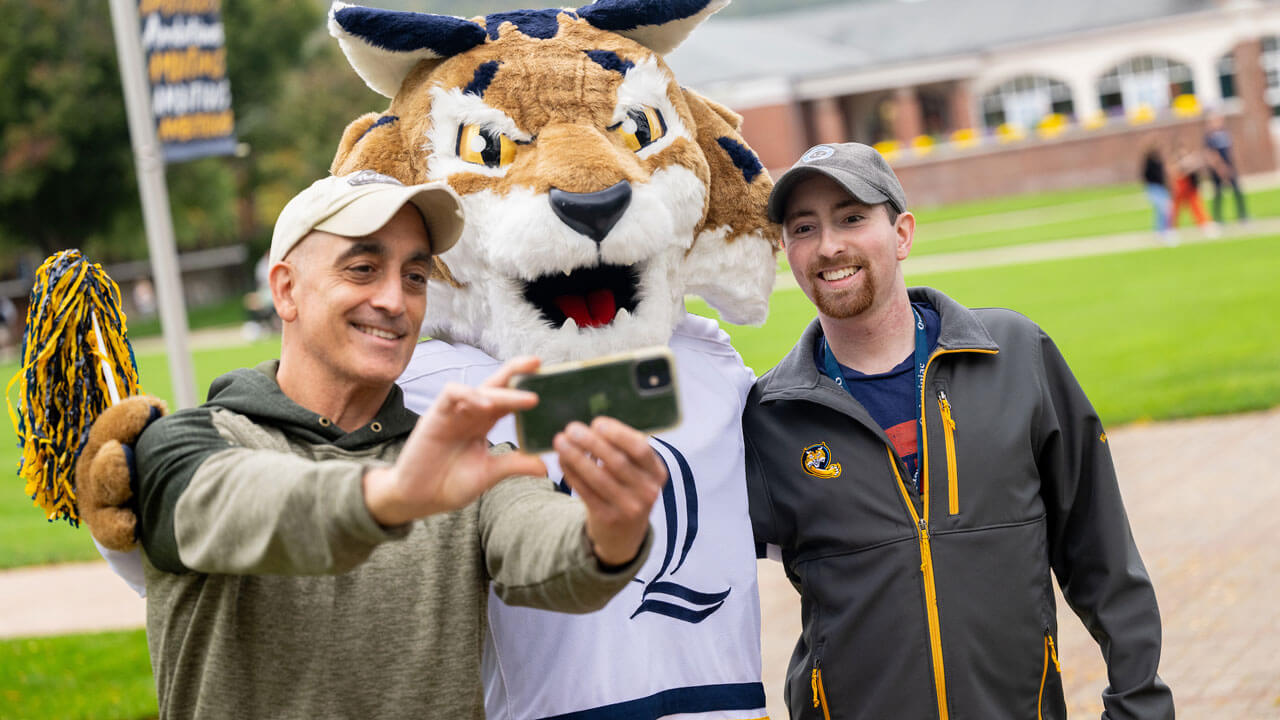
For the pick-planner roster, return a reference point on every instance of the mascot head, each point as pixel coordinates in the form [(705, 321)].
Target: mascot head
[(597, 191)]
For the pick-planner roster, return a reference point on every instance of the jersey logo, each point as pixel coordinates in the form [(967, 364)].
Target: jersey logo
[(817, 462), (663, 595)]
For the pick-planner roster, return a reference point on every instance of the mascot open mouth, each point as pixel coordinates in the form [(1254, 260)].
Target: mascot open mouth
[(591, 297)]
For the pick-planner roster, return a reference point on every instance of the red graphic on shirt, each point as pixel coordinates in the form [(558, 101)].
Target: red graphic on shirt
[(903, 437)]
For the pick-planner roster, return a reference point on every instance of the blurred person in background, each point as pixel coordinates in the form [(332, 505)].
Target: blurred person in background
[(1186, 169), (1222, 168), (1156, 185)]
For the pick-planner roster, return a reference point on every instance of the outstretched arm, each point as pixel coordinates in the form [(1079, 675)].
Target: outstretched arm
[(446, 463)]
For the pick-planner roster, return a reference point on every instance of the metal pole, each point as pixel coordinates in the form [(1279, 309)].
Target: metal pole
[(155, 198)]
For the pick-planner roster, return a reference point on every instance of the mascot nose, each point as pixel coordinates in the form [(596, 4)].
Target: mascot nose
[(592, 214)]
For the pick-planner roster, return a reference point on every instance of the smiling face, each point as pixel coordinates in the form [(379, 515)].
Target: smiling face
[(353, 306), (844, 254)]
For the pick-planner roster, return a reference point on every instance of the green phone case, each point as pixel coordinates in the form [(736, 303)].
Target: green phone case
[(607, 386)]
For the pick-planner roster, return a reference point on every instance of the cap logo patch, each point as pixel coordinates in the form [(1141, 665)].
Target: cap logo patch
[(816, 461), (820, 152), (369, 177)]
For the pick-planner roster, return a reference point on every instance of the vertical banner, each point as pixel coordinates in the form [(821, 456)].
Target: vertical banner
[(186, 58)]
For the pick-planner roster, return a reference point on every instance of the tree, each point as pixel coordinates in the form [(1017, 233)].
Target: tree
[(66, 166)]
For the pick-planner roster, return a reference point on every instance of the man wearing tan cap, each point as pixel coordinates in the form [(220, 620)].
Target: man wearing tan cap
[(315, 550)]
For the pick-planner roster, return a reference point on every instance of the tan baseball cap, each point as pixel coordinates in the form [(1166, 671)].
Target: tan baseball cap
[(358, 204)]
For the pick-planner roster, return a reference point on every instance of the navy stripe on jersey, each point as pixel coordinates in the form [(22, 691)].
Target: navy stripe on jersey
[(703, 698)]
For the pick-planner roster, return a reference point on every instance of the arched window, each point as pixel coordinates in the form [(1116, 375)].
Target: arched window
[(1025, 100), (1147, 80)]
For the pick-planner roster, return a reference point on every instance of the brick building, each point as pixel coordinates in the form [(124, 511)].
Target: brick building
[(977, 98)]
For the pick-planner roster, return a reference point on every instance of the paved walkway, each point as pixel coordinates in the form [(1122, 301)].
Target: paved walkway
[(1202, 497)]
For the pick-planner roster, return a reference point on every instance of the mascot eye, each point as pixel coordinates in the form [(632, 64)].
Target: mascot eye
[(482, 146), (643, 127)]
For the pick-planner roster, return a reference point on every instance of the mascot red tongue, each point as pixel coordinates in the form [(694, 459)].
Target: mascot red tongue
[(595, 310), (598, 194)]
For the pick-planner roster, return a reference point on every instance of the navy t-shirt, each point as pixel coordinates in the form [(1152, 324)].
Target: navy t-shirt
[(890, 397)]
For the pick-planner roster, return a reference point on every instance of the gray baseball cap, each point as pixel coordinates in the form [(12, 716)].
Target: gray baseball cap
[(857, 168)]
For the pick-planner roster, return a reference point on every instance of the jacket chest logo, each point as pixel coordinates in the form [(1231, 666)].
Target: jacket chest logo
[(816, 461)]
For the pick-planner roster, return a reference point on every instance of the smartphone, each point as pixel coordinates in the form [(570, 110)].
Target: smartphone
[(638, 388)]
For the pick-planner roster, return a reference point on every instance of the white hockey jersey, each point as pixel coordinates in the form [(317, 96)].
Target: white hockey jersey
[(684, 638)]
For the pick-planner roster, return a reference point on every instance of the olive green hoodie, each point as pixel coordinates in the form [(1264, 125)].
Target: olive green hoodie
[(271, 591)]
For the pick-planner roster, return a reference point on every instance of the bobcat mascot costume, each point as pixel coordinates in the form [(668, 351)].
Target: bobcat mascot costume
[(598, 193)]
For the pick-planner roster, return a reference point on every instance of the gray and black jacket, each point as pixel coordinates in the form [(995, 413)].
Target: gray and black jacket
[(941, 605), (271, 591)]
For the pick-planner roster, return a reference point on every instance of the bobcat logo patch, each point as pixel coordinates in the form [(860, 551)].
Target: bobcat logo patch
[(817, 462)]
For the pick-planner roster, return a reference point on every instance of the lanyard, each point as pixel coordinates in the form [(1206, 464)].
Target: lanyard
[(832, 370)]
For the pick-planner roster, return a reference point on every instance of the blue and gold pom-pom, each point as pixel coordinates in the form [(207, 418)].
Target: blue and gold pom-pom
[(76, 362)]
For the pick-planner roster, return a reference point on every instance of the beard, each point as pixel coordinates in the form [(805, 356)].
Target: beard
[(844, 304)]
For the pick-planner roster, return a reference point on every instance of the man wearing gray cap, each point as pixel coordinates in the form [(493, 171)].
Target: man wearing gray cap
[(315, 550), (920, 467)]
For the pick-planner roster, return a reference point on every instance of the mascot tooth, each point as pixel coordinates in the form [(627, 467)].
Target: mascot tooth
[(598, 194)]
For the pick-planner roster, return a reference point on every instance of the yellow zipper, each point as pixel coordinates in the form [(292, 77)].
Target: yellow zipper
[(930, 591), (949, 430), (926, 554), (1050, 653), (819, 692)]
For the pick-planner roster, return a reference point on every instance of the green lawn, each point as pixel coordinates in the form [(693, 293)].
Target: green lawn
[(105, 676), (1028, 201), (1081, 200), (1106, 216), (1155, 334)]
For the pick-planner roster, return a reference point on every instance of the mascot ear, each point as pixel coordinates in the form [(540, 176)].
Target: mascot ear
[(384, 45), (659, 26), (374, 142), (731, 264)]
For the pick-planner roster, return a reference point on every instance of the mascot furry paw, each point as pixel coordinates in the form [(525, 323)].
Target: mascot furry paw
[(105, 468), (598, 193)]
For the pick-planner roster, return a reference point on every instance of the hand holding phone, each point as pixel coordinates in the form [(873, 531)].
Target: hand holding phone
[(637, 388), (617, 476)]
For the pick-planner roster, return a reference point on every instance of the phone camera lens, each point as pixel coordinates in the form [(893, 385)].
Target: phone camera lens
[(653, 374)]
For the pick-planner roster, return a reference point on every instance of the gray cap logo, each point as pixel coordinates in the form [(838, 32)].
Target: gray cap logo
[(820, 152), (368, 177)]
